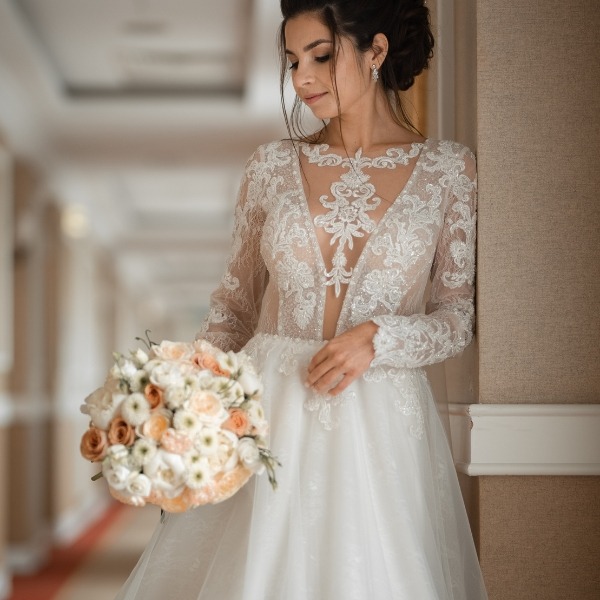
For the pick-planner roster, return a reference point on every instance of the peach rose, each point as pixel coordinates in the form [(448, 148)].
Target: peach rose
[(172, 350), (94, 444), (205, 403), (154, 395), (237, 423), (227, 484), (176, 442), (121, 432), (155, 426), (206, 361)]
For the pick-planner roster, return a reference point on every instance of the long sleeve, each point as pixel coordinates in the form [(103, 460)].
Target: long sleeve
[(235, 304), (447, 326)]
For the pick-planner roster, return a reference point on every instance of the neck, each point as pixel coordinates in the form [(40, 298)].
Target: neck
[(368, 127)]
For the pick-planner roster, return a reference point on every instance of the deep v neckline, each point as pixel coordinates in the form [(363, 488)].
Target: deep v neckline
[(309, 218)]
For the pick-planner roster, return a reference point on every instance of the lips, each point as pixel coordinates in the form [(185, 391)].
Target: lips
[(313, 98)]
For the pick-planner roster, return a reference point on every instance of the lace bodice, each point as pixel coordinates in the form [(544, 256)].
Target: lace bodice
[(322, 243)]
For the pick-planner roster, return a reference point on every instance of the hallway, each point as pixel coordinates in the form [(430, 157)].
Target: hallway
[(95, 565)]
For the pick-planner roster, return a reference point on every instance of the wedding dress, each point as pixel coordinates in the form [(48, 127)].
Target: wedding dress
[(368, 505)]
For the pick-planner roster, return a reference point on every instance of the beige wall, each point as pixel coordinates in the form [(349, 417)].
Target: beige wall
[(538, 96)]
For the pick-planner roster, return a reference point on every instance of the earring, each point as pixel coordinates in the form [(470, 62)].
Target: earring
[(374, 73)]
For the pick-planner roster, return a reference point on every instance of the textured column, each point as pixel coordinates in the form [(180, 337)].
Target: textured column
[(538, 102)]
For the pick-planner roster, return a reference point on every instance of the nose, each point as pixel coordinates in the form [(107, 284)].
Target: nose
[(304, 74)]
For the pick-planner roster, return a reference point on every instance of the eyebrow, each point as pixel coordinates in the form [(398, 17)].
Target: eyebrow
[(311, 45)]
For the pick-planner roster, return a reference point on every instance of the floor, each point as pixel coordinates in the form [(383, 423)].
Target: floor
[(96, 565)]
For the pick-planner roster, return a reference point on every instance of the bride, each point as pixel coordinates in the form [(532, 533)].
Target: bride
[(336, 237)]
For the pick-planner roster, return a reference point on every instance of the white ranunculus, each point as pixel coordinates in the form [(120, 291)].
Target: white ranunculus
[(135, 409), (167, 472), (138, 484), (249, 455)]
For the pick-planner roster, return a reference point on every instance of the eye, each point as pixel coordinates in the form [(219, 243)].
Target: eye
[(323, 59), (293, 66)]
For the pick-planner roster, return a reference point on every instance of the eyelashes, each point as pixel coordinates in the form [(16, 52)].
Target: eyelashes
[(320, 59)]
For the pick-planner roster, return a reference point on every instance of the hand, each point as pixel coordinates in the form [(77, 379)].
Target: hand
[(342, 360)]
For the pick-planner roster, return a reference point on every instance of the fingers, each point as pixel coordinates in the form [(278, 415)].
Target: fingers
[(342, 360)]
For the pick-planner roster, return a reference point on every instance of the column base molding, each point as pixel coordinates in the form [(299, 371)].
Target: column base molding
[(526, 439), (29, 557), (5, 583)]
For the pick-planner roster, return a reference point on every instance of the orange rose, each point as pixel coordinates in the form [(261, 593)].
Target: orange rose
[(206, 361), (154, 395), (205, 403), (121, 432), (237, 423), (155, 426), (94, 444), (175, 441)]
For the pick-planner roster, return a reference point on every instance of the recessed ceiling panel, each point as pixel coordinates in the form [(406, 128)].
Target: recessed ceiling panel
[(143, 46)]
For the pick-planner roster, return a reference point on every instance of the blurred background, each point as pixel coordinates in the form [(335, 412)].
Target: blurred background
[(124, 129)]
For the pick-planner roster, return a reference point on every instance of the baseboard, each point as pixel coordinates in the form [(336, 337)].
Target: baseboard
[(526, 439), (75, 521)]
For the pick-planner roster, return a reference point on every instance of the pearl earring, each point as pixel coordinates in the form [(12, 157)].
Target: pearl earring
[(374, 73)]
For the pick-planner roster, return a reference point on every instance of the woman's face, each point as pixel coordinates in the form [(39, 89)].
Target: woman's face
[(309, 47)]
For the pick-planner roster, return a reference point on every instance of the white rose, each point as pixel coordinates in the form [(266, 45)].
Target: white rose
[(250, 383), (139, 357), (101, 406), (256, 414), (167, 472), (228, 361), (116, 474), (175, 397), (128, 369), (138, 382), (173, 350), (117, 454), (249, 455), (170, 375), (138, 484)]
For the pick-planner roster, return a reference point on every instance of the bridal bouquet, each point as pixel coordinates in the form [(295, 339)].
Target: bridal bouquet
[(178, 425)]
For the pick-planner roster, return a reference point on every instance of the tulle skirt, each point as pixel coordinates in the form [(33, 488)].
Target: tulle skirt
[(368, 505)]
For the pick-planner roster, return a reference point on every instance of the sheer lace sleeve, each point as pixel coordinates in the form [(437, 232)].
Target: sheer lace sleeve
[(447, 327), (235, 304)]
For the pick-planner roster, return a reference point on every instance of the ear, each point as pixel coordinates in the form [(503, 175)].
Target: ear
[(379, 49)]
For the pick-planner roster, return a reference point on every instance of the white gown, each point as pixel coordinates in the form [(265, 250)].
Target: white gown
[(368, 505)]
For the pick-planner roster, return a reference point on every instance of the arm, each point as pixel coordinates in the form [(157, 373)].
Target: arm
[(235, 304), (447, 327)]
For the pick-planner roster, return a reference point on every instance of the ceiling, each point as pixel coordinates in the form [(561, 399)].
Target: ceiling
[(142, 114)]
